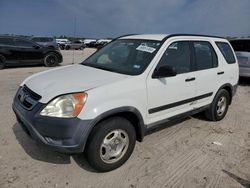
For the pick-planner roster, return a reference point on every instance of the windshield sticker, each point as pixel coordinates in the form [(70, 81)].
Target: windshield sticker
[(137, 66), (145, 48)]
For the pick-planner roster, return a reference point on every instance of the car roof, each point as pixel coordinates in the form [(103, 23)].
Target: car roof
[(240, 39), (14, 37), (161, 37), (41, 37)]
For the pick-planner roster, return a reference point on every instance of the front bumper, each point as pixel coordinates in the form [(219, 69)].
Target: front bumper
[(67, 135), (60, 57)]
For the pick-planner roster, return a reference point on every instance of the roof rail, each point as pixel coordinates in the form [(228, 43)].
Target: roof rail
[(196, 35), (124, 36)]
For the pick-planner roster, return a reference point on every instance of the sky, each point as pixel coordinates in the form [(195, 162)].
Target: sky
[(112, 18)]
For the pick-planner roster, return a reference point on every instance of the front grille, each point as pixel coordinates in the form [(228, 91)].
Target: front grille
[(27, 97), (31, 93)]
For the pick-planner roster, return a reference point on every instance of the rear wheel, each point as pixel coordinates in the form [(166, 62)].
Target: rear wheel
[(219, 106), (111, 143), (67, 47), (51, 60)]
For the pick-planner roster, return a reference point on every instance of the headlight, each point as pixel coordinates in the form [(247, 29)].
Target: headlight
[(65, 106)]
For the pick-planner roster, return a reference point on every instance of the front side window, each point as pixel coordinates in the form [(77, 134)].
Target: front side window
[(37, 39), (125, 56), (177, 56), (42, 39), (205, 56), (24, 43), (226, 52)]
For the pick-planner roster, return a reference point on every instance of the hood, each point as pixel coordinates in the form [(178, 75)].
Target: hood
[(69, 79)]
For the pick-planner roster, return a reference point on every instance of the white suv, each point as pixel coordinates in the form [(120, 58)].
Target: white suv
[(133, 84)]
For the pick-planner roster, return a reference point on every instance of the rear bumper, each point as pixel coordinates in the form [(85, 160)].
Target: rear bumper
[(244, 71), (234, 89), (67, 135)]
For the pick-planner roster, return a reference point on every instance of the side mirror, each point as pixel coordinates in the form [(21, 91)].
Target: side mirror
[(164, 71), (36, 47)]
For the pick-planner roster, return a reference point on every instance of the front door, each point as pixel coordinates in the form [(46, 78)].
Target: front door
[(171, 96), (28, 52)]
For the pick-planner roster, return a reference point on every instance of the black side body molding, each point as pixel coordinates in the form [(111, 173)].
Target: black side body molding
[(172, 105)]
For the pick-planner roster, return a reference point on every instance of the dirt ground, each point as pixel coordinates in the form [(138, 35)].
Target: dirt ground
[(185, 154)]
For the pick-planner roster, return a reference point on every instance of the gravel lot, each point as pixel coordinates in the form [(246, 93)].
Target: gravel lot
[(182, 155)]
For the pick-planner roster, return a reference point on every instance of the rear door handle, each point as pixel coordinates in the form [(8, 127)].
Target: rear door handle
[(219, 73), (190, 79)]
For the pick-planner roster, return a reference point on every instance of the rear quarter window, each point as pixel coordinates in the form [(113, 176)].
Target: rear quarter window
[(226, 51)]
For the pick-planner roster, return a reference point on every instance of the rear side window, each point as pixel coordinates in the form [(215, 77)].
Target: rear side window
[(205, 56), (226, 52), (6, 41)]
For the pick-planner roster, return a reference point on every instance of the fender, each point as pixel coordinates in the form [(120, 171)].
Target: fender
[(230, 88), (2, 58), (140, 127)]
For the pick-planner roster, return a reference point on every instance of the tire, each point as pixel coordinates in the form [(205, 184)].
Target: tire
[(120, 137), (2, 62), (51, 60), (61, 47), (67, 47), (218, 108)]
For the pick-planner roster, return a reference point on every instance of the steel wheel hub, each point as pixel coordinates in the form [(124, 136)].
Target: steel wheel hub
[(114, 146), (221, 106)]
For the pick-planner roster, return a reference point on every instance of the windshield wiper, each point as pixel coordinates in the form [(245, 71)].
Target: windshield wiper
[(98, 67)]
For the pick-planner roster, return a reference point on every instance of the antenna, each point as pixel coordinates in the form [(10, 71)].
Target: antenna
[(73, 59)]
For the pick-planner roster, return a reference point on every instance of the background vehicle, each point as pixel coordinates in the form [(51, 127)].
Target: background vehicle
[(242, 50), (61, 43), (89, 42), (77, 45), (132, 85), (20, 51), (101, 42), (46, 41)]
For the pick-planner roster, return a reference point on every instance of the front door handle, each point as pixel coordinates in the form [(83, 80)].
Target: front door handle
[(190, 79), (219, 73)]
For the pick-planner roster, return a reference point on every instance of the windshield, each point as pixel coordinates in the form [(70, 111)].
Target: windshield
[(125, 56)]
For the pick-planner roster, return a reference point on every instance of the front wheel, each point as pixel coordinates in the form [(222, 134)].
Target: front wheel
[(51, 60), (111, 143), (2, 64), (219, 106)]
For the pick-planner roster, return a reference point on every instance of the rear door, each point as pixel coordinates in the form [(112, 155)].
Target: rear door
[(208, 73), (28, 52), (8, 50), (172, 96)]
